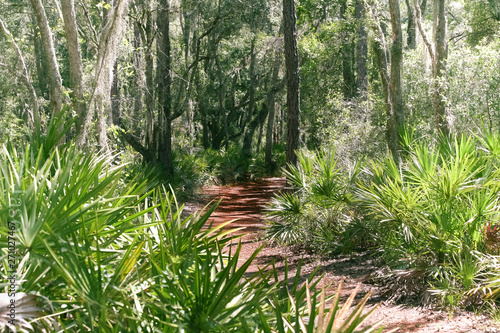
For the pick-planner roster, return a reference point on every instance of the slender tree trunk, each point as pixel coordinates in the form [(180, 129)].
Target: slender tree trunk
[(164, 84), (138, 81), (439, 68), (54, 76), (411, 32), (271, 104), (293, 80), (347, 56), (34, 119), (221, 95), (395, 80), (75, 67), (40, 61), (115, 97), (247, 139), (106, 58), (438, 52), (391, 80), (149, 99), (361, 49)]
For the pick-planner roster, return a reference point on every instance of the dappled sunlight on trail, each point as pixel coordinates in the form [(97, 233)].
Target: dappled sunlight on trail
[(244, 202)]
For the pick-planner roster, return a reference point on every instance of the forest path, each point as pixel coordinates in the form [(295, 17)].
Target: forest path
[(245, 203)]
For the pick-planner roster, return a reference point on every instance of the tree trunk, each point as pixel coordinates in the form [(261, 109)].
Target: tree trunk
[(115, 97), (138, 81), (438, 52), (271, 104), (34, 121), (439, 69), (75, 67), (41, 63), (106, 58), (247, 139), (149, 99), (391, 80), (361, 49), (54, 76), (395, 81), (347, 56), (411, 32), (164, 78), (293, 80)]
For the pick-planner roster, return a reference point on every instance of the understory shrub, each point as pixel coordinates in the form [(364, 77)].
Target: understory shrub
[(229, 166), (433, 213), (317, 211)]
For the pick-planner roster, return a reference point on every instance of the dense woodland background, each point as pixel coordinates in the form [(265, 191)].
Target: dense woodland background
[(174, 77), (387, 113)]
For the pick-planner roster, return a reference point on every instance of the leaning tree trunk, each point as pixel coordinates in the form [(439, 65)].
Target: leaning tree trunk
[(54, 76), (34, 121), (75, 67), (293, 80)]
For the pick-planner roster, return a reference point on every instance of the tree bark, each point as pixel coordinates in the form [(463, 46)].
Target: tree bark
[(411, 32), (438, 52), (247, 139), (115, 97), (54, 76), (271, 104), (361, 49), (391, 79), (439, 69), (149, 99), (106, 58), (397, 120), (349, 83), (75, 66), (164, 78), (138, 81), (293, 81)]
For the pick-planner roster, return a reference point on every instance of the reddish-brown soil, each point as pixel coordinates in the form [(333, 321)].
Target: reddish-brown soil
[(245, 203)]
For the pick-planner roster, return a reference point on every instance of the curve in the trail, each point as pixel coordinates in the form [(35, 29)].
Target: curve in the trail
[(244, 202)]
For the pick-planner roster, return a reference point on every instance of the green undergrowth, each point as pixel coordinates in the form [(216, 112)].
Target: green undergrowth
[(99, 249), (432, 219)]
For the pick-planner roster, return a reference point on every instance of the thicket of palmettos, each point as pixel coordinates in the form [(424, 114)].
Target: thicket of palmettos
[(433, 217), (103, 252)]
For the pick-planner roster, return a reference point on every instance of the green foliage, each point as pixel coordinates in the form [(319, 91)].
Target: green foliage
[(229, 166), (318, 213), (106, 254), (432, 210)]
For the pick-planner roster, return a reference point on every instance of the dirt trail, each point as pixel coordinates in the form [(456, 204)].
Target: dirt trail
[(245, 202)]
